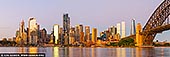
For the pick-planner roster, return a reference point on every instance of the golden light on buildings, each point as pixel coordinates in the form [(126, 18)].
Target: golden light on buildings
[(94, 35), (139, 40)]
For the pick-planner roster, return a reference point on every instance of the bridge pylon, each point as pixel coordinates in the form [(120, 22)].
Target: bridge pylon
[(139, 37)]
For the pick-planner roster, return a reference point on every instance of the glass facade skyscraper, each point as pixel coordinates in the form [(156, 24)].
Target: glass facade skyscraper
[(66, 28)]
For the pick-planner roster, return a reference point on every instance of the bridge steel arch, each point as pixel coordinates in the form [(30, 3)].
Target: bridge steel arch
[(157, 19)]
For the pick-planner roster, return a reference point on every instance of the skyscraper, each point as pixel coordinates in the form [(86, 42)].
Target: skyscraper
[(81, 33), (72, 35), (43, 36), (87, 33), (77, 33), (22, 35), (66, 28), (118, 28), (94, 35), (113, 30), (56, 33), (33, 31), (132, 28), (123, 30)]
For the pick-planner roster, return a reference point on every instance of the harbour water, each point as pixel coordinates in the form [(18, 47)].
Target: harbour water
[(91, 52)]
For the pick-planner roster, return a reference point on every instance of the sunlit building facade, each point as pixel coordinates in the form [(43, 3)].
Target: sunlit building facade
[(87, 33), (56, 33), (123, 30), (118, 28), (33, 31), (94, 35)]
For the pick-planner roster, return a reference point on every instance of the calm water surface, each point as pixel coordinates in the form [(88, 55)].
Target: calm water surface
[(91, 52)]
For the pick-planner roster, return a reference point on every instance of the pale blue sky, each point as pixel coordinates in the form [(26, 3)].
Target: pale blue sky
[(96, 13)]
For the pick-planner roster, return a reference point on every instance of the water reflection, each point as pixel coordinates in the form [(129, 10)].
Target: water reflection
[(91, 52), (56, 52)]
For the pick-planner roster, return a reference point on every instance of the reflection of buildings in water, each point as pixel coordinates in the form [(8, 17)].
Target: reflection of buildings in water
[(132, 52), (64, 52), (92, 52), (21, 50), (71, 52), (121, 52), (148, 52), (33, 49), (138, 52), (87, 52), (56, 52)]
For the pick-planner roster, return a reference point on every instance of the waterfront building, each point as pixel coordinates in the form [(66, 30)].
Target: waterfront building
[(61, 39), (123, 30), (66, 28), (43, 36), (72, 35), (22, 32), (132, 28), (77, 33), (118, 28), (81, 33), (33, 31), (113, 30), (56, 33), (87, 33), (94, 35)]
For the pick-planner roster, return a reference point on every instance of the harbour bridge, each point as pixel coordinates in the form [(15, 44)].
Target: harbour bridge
[(157, 23)]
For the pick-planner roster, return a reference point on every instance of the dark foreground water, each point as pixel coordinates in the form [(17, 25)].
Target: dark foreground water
[(91, 52)]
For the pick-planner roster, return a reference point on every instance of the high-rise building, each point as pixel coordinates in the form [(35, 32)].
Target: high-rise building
[(43, 36), (72, 35), (94, 35), (66, 28), (77, 33), (87, 33), (33, 31), (132, 28), (56, 33), (118, 28), (123, 30), (113, 30), (61, 41), (81, 33), (22, 32)]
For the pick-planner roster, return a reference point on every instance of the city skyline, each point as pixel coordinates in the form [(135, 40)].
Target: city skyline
[(106, 17)]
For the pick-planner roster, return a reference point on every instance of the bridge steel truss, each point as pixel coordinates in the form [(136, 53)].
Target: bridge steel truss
[(157, 19)]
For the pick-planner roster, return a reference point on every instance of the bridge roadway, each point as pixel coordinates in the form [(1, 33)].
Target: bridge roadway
[(158, 29)]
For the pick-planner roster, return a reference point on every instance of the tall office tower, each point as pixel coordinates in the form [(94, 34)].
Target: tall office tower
[(66, 28), (113, 30), (94, 35), (132, 28), (123, 30), (77, 34), (118, 28), (87, 33), (81, 33), (61, 39), (43, 35), (22, 33), (56, 33), (72, 35), (33, 31)]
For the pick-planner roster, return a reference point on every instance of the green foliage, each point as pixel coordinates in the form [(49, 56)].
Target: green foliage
[(126, 42)]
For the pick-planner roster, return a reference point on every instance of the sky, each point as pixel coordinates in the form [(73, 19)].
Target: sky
[(99, 14)]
